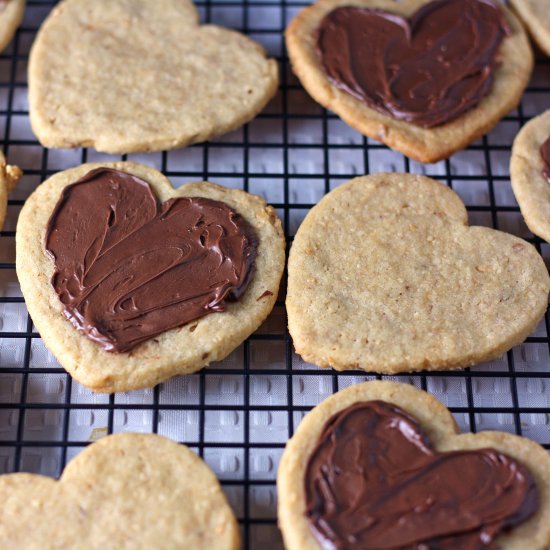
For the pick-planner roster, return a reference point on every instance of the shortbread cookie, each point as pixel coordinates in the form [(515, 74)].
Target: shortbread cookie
[(464, 68), (536, 16), (125, 491), (382, 465), (11, 15), (385, 275), (140, 75), (9, 176), (127, 290), (530, 174)]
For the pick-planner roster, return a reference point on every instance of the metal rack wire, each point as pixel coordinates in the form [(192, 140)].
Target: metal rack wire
[(238, 414)]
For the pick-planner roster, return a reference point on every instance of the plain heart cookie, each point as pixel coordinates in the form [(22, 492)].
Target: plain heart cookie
[(11, 15), (385, 275), (124, 491), (382, 465), (9, 176), (530, 174), (425, 77), (536, 16), (130, 281), (141, 75)]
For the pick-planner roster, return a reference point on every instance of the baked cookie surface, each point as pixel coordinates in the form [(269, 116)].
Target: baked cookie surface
[(9, 176), (11, 15), (439, 433), (124, 491), (514, 62), (138, 75), (385, 275), (527, 172), (536, 16), (180, 350)]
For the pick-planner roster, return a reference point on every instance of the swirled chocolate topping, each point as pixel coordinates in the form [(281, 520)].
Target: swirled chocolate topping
[(427, 70), (128, 268), (545, 154), (374, 482)]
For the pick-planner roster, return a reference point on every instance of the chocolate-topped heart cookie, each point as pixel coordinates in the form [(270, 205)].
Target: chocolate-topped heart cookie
[(380, 466), (130, 282), (530, 174), (427, 70), (128, 268), (425, 77), (374, 469)]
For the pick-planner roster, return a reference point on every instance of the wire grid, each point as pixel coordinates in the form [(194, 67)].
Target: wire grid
[(238, 413)]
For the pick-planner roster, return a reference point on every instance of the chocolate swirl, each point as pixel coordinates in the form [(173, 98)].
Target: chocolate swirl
[(426, 71), (374, 482), (128, 268)]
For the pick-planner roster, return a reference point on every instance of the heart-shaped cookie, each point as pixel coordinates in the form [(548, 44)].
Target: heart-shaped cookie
[(11, 14), (124, 491), (121, 256), (140, 75), (130, 282), (381, 465), (426, 78), (385, 275), (9, 176), (536, 16), (530, 174)]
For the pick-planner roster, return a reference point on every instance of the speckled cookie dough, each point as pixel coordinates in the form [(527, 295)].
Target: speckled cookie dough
[(385, 275), (138, 75), (11, 15), (124, 491), (9, 176), (536, 16)]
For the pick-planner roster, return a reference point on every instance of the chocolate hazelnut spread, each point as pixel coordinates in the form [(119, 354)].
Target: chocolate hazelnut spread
[(128, 268), (374, 482), (427, 70)]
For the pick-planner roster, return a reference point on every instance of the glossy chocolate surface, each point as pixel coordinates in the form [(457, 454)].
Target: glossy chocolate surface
[(428, 70), (374, 482), (128, 268)]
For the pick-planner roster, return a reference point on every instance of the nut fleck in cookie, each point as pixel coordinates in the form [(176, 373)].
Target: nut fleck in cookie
[(424, 77), (124, 491), (9, 176), (141, 75), (382, 465), (385, 275), (11, 14), (536, 16), (130, 281), (530, 174)]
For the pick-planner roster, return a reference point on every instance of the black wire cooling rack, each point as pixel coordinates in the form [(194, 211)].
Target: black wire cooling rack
[(238, 414)]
